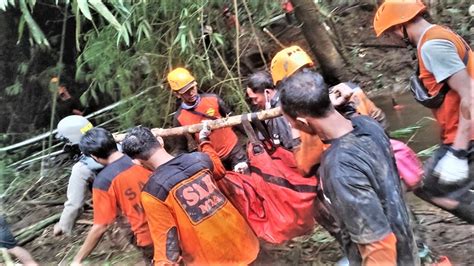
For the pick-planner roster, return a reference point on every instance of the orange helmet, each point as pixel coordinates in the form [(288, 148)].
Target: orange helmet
[(180, 80), (288, 61), (395, 12)]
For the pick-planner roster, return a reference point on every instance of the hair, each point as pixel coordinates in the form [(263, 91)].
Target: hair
[(98, 142), (140, 143), (260, 81), (305, 94)]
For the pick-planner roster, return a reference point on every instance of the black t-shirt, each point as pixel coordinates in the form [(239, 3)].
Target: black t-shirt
[(360, 180)]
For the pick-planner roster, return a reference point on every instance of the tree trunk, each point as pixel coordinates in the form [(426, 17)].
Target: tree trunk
[(331, 62)]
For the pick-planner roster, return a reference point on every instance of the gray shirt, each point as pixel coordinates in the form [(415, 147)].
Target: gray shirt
[(441, 59)]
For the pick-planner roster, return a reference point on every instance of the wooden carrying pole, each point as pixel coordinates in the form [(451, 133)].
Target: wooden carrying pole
[(213, 124)]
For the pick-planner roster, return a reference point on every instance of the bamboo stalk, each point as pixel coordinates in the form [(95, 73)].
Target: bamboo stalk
[(275, 39), (31, 232), (6, 257), (47, 134), (213, 124)]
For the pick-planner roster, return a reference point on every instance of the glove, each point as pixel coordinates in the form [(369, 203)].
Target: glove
[(452, 169), (205, 131), (241, 167)]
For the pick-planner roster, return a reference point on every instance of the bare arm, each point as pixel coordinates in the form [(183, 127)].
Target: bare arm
[(463, 84), (93, 237)]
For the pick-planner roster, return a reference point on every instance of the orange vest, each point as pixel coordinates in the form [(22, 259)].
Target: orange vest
[(447, 114), (191, 219), (309, 153), (224, 139)]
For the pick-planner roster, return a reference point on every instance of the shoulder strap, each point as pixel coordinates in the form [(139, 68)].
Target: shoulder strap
[(248, 129), (260, 126), (448, 35)]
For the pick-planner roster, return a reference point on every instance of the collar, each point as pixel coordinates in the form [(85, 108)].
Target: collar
[(276, 98), (186, 106), (354, 128)]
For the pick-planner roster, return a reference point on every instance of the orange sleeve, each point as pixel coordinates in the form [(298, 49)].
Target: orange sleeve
[(365, 106), (382, 252), (163, 230), (308, 154), (219, 170), (105, 207)]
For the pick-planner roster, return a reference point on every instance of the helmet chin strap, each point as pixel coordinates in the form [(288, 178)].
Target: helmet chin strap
[(410, 46)]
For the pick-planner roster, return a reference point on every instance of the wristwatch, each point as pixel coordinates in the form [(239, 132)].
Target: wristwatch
[(460, 154)]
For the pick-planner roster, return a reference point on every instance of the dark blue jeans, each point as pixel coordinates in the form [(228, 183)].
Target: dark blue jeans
[(7, 240)]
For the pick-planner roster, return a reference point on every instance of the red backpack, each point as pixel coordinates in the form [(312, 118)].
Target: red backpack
[(275, 199)]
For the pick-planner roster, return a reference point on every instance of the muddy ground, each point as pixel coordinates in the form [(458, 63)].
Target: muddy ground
[(444, 234), (379, 69)]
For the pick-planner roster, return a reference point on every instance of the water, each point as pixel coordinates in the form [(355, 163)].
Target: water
[(410, 113)]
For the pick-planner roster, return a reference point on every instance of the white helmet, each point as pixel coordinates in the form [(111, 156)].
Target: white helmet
[(72, 128)]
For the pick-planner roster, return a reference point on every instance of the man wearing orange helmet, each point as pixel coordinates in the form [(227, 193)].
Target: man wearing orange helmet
[(347, 97), (444, 82), (197, 107)]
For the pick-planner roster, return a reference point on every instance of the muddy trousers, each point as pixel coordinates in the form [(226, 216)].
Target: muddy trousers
[(462, 192), (324, 218)]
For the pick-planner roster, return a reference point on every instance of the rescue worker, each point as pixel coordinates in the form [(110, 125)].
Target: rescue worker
[(446, 72), (197, 107), (358, 175), (261, 91), (8, 242), (116, 190), (190, 219), (350, 99), (70, 130), (67, 105)]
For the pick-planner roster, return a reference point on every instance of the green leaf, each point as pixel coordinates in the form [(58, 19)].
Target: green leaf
[(21, 28), (105, 12), (123, 33), (3, 5), (217, 37), (146, 29), (428, 152), (14, 89), (183, 42), (78, 25), (22, 68), (35, 31), (84, 7), (404, 132)]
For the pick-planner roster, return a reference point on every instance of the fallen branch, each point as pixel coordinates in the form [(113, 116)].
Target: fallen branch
[(47, 202), (213, 124), (88, 222), (29, 233), (375, 45)]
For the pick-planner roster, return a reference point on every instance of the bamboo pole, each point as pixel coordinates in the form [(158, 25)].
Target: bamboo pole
[(29, 233), (47, 134), (213, 124)]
